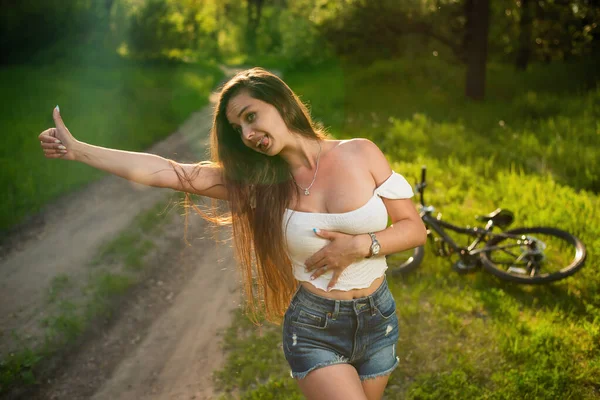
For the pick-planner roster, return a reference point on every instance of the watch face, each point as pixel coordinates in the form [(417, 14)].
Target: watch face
[(376, 248)]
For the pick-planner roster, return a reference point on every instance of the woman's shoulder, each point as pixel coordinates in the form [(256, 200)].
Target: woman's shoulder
[(357, 145), (367, 153)]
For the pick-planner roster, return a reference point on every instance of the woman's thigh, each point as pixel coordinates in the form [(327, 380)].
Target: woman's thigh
[(334, 382), (374, 388)]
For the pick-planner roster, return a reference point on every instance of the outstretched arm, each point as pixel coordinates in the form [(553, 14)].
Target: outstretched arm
[(148, 169)]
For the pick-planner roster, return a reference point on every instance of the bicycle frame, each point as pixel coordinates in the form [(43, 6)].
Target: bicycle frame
[(438, 226), (521, 266)]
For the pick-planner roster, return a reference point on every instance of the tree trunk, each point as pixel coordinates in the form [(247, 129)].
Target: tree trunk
[(525, 31), (100, 29), (214, 35), (476, 39), (108, 6), (254, 12)]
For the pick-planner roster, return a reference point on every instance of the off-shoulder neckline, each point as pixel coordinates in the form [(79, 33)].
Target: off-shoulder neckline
[(346, 212)]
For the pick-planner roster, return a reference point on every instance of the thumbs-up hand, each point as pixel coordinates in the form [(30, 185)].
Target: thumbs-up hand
[(57, 142)]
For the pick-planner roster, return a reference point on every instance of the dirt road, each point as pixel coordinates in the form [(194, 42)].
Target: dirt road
[(163, 342)]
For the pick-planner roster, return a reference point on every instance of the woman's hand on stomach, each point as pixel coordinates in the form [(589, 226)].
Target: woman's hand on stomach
[(343, 250)]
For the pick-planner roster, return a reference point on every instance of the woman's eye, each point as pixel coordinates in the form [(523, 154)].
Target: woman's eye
[(250, 117)]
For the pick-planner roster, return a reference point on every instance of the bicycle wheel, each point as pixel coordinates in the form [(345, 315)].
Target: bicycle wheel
[(533, 255), (405, 261)]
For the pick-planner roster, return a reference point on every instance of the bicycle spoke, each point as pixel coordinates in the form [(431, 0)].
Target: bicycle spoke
[(508, 252), (531, 255)]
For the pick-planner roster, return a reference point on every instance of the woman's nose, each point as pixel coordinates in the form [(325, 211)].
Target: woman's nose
[(247, 132)]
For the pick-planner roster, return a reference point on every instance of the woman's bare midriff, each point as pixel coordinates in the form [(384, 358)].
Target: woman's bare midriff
[(344, 295)]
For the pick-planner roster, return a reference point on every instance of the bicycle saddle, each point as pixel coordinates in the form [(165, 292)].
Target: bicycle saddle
[(501, 218)]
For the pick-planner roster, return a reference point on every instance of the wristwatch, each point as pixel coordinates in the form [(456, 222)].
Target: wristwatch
[(375, 246)]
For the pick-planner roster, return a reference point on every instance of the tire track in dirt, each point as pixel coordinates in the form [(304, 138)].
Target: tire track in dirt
[(163, 342), (72, 230)]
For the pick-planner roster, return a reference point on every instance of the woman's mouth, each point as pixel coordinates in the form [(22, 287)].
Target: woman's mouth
[(263, 143)]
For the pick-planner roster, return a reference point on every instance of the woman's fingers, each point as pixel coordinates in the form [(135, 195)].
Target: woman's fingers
[(53, 155), (314, 265), (318, 272), (50, 150), (55, 146), (58, 119), (54, 141), (49, 135), (333, 281), (52, 147), (48, 142), (334, 278)]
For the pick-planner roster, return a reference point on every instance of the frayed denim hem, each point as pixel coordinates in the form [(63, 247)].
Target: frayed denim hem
[(386, 372), (302, 375)]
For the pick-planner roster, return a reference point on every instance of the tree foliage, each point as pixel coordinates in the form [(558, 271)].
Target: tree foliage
[(301, 32), (27, 26), (558, 29), (174, 28)]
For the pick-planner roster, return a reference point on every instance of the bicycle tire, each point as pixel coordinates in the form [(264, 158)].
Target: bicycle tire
[(405, 262), (574, 250)]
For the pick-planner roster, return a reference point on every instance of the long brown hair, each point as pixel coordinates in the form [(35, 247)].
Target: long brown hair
[(260, 188)]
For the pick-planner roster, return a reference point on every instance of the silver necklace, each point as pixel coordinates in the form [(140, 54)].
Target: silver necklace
[(306, 190)]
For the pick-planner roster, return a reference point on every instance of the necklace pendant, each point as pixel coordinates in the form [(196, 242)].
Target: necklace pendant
[(306, 192)]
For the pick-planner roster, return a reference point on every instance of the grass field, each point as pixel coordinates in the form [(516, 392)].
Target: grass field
[(126, 106), (533, 147)]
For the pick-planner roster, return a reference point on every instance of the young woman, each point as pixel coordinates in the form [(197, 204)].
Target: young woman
[(309, 219)]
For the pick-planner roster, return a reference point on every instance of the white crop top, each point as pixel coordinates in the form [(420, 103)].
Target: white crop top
[(302, 242)]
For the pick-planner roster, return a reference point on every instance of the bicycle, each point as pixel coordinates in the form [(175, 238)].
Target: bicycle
[(523, 255)]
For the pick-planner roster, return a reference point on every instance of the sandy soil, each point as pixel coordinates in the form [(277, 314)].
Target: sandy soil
[(163, 341)]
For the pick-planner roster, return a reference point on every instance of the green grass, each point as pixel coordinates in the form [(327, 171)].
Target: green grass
[(532, 147), (469, 336), (125, 106), (59, 284), (132, 244), (542, 120), (255, 363)]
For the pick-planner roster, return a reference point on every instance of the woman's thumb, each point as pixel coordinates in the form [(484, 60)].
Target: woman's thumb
[(57, 118)]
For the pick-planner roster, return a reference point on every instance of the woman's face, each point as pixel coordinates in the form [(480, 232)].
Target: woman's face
[(259, 124)]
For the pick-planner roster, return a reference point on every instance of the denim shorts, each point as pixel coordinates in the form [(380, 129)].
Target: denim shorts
[(363, 332)]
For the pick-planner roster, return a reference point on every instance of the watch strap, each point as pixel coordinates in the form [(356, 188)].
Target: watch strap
[(373, 242)]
